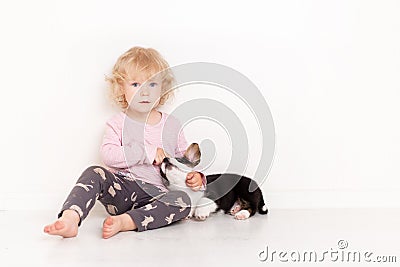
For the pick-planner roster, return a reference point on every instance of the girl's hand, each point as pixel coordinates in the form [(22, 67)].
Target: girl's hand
[(160, 155), (194, 181)]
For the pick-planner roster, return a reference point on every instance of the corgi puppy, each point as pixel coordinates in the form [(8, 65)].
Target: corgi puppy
[(227, 192)]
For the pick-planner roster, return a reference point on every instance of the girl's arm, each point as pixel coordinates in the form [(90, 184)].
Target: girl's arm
[(116, 155), (195, 180), (181, 146)]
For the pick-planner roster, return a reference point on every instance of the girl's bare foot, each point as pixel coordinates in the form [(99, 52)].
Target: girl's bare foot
[(115, 224), (66, 226)]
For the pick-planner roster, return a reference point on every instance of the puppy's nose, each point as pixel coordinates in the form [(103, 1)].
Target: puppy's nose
[(166, 160)]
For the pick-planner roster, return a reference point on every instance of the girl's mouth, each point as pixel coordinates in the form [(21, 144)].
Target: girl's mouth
[(144, 102)]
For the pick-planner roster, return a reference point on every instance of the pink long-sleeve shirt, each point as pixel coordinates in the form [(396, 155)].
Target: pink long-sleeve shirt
[(129, 147)]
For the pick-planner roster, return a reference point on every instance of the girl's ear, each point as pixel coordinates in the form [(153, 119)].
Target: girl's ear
[(193, 153)]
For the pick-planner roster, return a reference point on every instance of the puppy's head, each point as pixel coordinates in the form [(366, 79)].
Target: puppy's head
[(175, 170)]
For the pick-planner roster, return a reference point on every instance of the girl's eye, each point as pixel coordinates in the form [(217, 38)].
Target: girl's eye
[(135, 84), (153, 84)]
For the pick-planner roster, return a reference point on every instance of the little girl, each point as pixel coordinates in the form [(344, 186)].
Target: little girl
[(136, 141)]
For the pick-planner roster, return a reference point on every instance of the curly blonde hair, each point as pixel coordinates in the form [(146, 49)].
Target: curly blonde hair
[(147, 61)]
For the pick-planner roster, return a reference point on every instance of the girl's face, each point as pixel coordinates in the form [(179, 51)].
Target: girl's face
[(141, 94)]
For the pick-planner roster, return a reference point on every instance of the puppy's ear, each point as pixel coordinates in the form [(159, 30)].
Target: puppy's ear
[(193, 154)]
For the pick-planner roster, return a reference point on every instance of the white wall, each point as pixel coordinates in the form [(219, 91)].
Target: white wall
[(328, 69)]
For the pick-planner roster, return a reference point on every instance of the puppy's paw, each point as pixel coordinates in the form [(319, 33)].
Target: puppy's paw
[(202, 213), (235, 208), (191, 213), (242, 215)]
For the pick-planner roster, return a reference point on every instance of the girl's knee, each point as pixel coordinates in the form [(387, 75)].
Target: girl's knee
[(181, 198), (185, 197), (95, 171), (187, 200), (93, 167)]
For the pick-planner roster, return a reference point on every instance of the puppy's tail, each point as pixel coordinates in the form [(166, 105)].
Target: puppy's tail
[(262, 208)]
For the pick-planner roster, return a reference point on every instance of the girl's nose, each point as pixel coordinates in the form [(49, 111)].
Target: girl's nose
[(144, 91)]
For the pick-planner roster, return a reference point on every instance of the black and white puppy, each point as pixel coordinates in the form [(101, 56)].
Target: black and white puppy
[(227, 192)]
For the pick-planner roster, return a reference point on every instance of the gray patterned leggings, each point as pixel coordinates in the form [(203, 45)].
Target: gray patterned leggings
[(147, 205)]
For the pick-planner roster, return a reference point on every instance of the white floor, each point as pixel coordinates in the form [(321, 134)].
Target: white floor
[(219, 241)]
